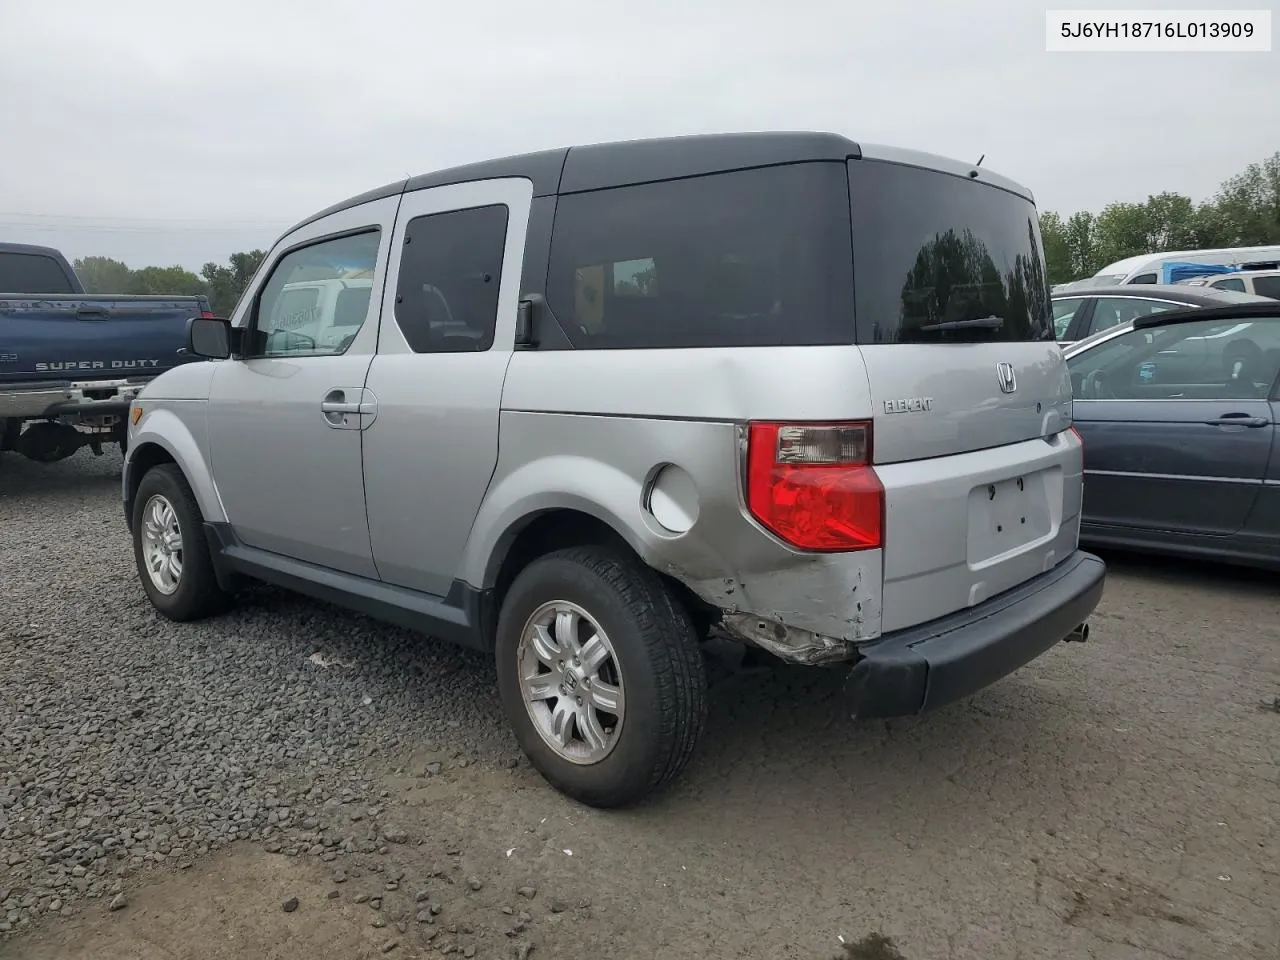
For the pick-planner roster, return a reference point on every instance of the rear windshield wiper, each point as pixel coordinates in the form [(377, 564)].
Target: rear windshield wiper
[(978, 323)]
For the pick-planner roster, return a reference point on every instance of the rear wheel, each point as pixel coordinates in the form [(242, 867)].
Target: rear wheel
[(170, 549), (600, 675)]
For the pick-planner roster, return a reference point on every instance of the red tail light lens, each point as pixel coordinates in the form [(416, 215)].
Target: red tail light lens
[(813, 486), (206, 314)]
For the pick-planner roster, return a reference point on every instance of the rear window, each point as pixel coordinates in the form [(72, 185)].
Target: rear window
[(32, 273), (941, 259), (750, 258)]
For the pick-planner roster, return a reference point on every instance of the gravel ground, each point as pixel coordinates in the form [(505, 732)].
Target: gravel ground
[(130, 741), (1117, 799)]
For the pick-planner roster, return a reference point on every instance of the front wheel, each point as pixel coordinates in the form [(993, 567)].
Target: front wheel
[(170, 549), (600, 675)]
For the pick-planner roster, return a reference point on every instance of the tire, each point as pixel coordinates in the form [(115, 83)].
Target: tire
[(194, 592), (654, 660)]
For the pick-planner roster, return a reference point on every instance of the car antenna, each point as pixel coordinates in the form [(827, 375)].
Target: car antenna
[(974, 172), (980, 159)]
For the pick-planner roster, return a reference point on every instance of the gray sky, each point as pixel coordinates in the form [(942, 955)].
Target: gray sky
[(143, 130)]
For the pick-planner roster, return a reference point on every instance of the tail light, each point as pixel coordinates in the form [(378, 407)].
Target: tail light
[(206, 315), (813, 486), (1079, 438)]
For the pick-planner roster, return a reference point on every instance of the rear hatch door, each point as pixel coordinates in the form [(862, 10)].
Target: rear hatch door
[(971, 394)]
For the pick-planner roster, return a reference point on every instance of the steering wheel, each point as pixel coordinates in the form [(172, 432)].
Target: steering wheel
[(1096, 386), (289, 340), (1244, 352)]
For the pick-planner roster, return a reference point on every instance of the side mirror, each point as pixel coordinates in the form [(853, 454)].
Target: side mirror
[(209, 337), (528, 313)]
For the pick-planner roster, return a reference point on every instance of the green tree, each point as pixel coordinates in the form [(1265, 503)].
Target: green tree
[(1082, 244), (102, 275), (1057, 249), (161, 281), (1120, 231), (1244, 212), (1248, 205), (225, 283), (1165, 221)]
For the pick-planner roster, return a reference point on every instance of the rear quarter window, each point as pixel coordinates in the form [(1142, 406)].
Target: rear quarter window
[(32, 273), (749, 258), (1267, 287), (932, 248)]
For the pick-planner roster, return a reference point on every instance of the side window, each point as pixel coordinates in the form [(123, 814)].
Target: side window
[(1144, 278), (1267, 287), (750, 258), (1110, 311), (450, 272), (1064, 311), (1206, 360), (1233, 283), (316, 299)]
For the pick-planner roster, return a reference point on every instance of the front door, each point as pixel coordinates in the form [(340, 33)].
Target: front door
[(286, 420), (1176, 423), (449, 311)]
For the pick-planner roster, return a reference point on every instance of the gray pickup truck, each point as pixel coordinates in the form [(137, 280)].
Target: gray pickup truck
[(71, 362), (579, 408)]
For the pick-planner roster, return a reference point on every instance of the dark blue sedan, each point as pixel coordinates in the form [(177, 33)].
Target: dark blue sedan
[(1178, 411)]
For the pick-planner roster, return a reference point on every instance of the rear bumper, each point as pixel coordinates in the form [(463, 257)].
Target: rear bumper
[(918, 669), (91, 398)]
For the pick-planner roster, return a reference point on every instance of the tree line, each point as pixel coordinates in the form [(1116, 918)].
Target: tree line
[(1245, 212), (221, 283)]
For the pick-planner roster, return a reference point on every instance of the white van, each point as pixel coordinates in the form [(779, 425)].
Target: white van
[(325, 312), (1146, 268)]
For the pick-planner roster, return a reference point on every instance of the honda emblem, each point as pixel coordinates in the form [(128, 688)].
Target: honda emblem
[(1004, 373)]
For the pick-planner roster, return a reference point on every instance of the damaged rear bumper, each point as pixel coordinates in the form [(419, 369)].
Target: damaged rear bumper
[(914, 670)]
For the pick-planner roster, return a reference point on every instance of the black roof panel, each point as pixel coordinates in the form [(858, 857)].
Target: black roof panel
[(543, 168), (624, 162), (643, 161)]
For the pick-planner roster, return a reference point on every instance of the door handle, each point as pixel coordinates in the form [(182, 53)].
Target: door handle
[(336, 409), (91, 313), (339, 406), (335, 401), (1238, 420)]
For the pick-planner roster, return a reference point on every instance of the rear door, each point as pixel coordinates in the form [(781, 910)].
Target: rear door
[(447, 337), (971, 396), (1177, 424), (1262, 527)]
